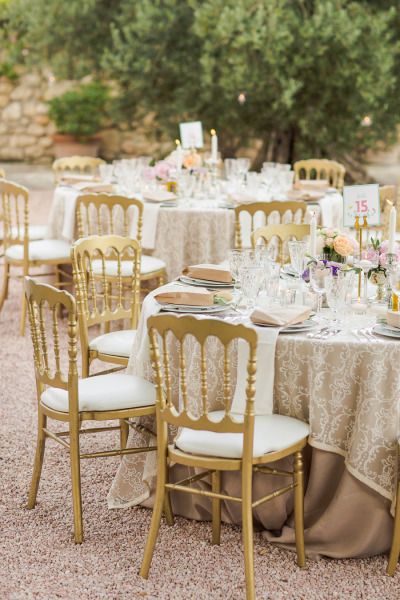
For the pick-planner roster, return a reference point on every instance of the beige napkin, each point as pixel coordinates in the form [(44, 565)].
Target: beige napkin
[(74, 179), (320, 185), (209, 273), (280, 316), (158, 196), (393, 318), (187, 296), (310, 195)]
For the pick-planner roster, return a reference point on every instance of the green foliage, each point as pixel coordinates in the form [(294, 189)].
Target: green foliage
[(310, 69), (80, 111), (7, 70)]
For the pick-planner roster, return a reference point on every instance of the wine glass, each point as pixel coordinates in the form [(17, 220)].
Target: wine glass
[(297, 252), (318, 271), (336, 287), (394, 276), (251, 280), (235, 264)]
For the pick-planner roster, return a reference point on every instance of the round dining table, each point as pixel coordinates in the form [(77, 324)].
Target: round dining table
[(347, 387), (190, 232)]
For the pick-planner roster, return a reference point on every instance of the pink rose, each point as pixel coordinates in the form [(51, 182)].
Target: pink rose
[(383, 259), (342, 245), (162, 169), (384, 247)]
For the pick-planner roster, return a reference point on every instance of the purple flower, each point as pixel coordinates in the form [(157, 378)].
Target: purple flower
[(306, 275)]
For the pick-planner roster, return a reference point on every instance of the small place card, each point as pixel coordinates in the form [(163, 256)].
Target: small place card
[(191, 134), (361, 201)]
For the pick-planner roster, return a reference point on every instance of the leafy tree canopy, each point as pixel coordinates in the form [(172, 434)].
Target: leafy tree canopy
[(308, 70)]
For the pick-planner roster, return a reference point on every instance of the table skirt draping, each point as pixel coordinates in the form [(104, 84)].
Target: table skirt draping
[(343, 518)]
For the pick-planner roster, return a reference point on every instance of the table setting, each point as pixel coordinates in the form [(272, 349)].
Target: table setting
[(323, 357), (188, 201)]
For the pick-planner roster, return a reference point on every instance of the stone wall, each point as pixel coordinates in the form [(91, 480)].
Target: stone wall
[(26, 130)]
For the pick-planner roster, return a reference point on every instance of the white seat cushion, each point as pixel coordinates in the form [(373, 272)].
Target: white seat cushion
[(104, 392), (36, 232), (116, 343), (41, 250), (271, 434), (149, 264)]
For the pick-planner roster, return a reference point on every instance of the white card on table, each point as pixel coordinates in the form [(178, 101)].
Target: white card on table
[(191, 134), (361, 201)]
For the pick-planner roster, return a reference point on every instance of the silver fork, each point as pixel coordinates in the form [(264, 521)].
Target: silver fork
[(366, 334), (317, 334)]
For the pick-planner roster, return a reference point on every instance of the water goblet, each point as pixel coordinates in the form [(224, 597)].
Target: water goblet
[(336, 286), (318, 271), (251, 280), (297, 252)]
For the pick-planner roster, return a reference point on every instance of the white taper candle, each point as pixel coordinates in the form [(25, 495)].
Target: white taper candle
[(392, 229)]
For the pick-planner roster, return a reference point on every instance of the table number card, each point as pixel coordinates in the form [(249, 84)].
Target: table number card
[(191, 134), (361, 201)]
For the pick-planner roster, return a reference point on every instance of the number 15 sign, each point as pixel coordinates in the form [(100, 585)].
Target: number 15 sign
[(361, 201)]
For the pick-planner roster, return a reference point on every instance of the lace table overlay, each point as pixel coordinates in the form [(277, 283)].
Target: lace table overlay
[(347, 389)]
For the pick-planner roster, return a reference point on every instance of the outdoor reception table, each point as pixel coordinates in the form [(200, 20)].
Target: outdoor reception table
[(348, 390), (193, 231)]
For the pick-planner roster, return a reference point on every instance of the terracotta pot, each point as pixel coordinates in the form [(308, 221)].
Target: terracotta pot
[(69, 145)]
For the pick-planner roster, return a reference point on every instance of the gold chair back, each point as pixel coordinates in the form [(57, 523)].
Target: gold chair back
[(283, 233), (181, 328), (320, 168), (15, 208), (104, 214), (85, 165), (266, 208), (107, 279), (2, 174), (44, 303)]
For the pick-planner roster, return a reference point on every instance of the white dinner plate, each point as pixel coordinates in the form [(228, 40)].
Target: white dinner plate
[(386, 330), (183, 308), (204, 282), (304, 326)]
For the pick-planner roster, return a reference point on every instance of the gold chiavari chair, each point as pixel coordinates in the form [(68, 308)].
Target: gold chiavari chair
[(320, 168), (84, 165), (107, 280), (36, 232), (281, 233), (395, 550), (266, 208), (254, 441), (20, 251), (64, 397), (107, 214)]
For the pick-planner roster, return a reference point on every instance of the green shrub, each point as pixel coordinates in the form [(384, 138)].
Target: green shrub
[(80, 111), (7, 70)]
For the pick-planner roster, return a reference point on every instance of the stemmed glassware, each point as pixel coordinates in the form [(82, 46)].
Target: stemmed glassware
[(251, 279), (318, 271), (336, 288), (394, 276), (297, 252)]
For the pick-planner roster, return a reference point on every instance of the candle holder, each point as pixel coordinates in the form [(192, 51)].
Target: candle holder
[(391, 262), (359, 228)]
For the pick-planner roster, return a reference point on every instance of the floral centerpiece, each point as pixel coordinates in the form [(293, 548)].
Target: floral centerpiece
[(334, 245)]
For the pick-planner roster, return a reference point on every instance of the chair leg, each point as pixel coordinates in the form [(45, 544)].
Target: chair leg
[(168, 513), (23, 315), (39, 454), (76, 483), (216, 508), (123, 433), (247, 524), (155, 521), (395, 550), (298, 478), (162, 278), (6, 277)]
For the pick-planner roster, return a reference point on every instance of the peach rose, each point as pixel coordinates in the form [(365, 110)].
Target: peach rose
[(192, 161), (342, 245)]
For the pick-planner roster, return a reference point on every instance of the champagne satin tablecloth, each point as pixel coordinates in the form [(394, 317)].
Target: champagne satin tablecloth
[(348, 390)]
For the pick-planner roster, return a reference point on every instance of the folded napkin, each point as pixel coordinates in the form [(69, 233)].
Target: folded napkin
[(242, 198), (393, 318), (306, 195), (158, 196), (312, 184), (186, 295), (74, 179), (280, 316), (209, 273)]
